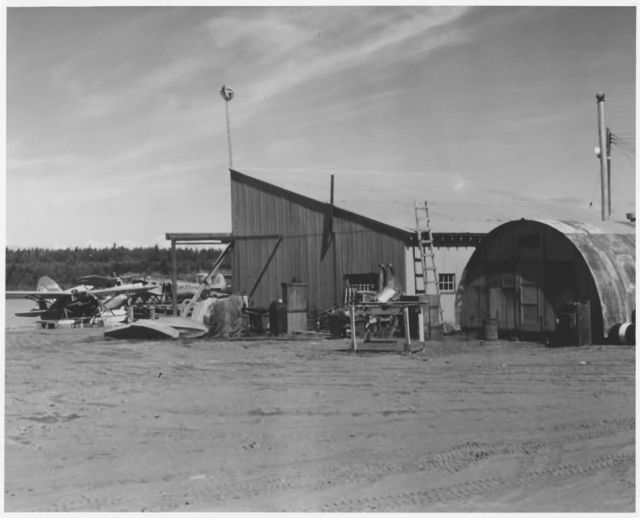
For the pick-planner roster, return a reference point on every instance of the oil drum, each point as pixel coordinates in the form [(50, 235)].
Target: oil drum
[(278, 317), (491, 329), (623, 334)]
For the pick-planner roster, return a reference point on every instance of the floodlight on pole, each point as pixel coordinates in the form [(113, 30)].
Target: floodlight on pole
[(227, 95)]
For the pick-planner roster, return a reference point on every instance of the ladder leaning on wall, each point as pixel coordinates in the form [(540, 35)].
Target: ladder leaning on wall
[(424, 258)]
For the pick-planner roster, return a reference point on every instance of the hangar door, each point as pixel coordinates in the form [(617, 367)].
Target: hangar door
[(529, 279)]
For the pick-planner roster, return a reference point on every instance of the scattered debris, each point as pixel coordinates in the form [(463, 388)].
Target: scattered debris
[(148, 329)]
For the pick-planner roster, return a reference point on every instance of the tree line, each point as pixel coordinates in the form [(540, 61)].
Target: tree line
[(24, 266)]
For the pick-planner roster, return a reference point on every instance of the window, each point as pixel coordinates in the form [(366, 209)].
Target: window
[(447, 282)]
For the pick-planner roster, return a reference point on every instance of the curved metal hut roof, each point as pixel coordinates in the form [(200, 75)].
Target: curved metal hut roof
[(609, 250)]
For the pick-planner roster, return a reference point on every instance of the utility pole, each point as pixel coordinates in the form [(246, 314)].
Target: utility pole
[(227, 95), (604, 180), (609, 172)]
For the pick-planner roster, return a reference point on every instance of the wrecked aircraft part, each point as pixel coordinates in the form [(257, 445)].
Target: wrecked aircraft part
[(115, 302), (110, 318), (218, 282), (143, 329), (389, 288), (202, 309), (386, 294), (382, 275), (187, 327)]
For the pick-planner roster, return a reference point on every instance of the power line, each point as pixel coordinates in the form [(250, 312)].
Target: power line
[(621, 140), (626, 149), (626, 152), (615, 138)]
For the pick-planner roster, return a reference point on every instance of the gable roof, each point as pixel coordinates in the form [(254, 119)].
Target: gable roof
[(454, 207)]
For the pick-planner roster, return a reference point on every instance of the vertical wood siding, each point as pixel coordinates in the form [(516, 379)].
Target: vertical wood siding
[(359, 249)]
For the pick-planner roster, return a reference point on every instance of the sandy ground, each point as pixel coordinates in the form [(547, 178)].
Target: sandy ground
[(103, 425)]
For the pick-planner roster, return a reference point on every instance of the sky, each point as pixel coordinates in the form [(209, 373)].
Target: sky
[(116, 131)]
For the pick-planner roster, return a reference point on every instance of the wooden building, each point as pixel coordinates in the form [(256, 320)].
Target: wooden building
[(297, 239), (286, 230)]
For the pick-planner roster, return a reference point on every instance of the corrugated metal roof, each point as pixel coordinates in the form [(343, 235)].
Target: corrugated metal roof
[(583, 228), (455, 205), (609, 250)]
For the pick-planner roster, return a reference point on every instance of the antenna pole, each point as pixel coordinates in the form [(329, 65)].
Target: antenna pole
[(604, 180), (227, 95)]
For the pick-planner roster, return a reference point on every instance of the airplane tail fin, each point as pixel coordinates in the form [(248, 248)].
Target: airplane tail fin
[(47, 284)]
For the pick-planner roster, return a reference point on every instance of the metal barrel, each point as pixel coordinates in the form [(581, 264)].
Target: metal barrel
[(491, 329), (623, 334)]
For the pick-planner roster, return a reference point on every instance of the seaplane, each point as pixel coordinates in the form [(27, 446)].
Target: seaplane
[(78, 306), (158, 288), (185, 290)]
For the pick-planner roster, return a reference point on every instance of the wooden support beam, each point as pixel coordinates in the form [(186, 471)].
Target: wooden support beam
[(202, 238), (352, 317), (174, 278), (407, 332), (198, 236), (273, 253), (206, 281)]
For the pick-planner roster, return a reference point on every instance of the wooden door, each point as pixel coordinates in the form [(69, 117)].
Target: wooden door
[(529, 272), (530, 304)]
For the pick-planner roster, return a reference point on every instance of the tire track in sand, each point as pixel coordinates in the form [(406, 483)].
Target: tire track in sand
[(458, 492), (452, 460)]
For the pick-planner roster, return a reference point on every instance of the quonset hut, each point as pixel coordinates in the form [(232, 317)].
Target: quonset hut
[(525, 273), (286, 230)]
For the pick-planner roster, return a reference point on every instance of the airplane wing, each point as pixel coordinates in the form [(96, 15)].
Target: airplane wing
[(102, 281), (48, 295), (31, 313), (125, 288), (36, 294)]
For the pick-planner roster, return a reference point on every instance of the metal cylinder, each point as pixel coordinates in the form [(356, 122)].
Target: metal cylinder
[(491, 329), (623, 334), (627, 334)]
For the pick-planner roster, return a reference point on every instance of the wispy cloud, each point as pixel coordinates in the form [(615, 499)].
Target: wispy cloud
[(26, 163), (119, 107), (279, 66)]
